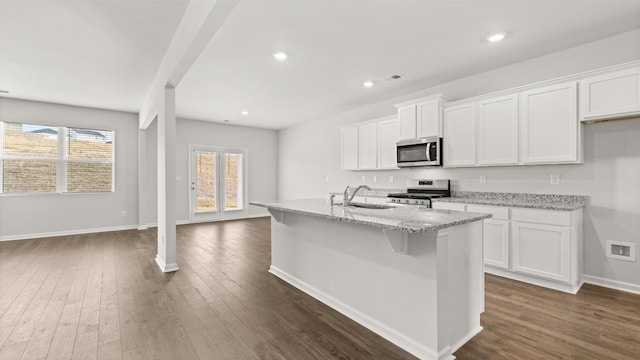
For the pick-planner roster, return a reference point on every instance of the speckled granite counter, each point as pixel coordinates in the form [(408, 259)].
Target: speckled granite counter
[(535, 201), (408, 219), (375, 192)]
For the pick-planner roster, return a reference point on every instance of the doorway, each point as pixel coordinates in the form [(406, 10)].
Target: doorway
[(217, 183)]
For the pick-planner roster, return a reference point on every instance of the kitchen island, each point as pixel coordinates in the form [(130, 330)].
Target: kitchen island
[(412, 275)]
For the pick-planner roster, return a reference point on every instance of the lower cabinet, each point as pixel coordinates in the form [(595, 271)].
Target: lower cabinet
[(496, 243), (538, 246), (541, 250)]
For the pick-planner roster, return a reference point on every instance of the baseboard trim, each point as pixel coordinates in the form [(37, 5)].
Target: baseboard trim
[(386, 332), (67, 232), (166, 267), (612, 284), (568, 288)]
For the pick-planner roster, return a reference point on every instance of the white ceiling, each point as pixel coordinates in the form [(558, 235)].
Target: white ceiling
[(104, 54)]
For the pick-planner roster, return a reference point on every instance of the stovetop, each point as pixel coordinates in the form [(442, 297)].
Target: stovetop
[(414, 195)]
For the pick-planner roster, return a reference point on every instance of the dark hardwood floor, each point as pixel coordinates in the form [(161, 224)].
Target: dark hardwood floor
[(102, 296)]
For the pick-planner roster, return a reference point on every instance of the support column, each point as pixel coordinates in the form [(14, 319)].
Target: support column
[(166, 257), (143, 203)]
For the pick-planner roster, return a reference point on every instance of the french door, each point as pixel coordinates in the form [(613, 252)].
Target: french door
[(217, 183)]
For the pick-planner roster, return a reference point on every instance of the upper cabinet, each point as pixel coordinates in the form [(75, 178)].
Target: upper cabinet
[(550, 129), (370, 145), (610, 95), (349, 149), (421, 117), (460, 135), (498, 130), (388, 135)]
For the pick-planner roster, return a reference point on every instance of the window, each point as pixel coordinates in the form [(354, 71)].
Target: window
[(46, 159)]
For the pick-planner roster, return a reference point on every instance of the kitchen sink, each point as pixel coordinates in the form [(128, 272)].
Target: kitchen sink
[(371, 206)]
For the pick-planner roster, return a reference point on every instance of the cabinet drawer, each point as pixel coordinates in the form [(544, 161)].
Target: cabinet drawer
[(549, 217), (448, 206), (498, 212)]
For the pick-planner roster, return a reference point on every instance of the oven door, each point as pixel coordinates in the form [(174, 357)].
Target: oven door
[(421, 152)]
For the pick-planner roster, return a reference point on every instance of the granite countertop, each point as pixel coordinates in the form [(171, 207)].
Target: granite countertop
[(535, 201), (410, 219), (376, 192)]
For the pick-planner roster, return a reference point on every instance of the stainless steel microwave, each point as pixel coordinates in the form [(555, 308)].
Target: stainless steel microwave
[(419, 152)]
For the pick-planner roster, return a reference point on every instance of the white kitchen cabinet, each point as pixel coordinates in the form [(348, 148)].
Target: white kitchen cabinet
[(407, 118), (429, 119), (538, 246), (460, 135), (550, 132), (388, 135), (611, 95), (421, 117), (368, 146), (498, 130), (495, 235), (349, 148), (541, 250)]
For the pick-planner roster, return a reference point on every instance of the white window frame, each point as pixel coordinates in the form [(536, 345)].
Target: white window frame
[(61, 163)]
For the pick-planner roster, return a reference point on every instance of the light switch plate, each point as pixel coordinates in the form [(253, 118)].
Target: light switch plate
[(391, 179)]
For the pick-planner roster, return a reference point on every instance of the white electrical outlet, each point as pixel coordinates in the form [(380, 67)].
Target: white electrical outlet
[(375, 178), (483, 179), (123, 213), (328, 179), (554, 179), (391, 179), (364, 178)]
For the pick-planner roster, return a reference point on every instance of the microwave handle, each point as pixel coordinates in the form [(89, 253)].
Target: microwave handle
[(429, 151)]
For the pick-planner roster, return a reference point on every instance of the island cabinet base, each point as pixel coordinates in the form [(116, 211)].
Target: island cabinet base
[(427, 301)]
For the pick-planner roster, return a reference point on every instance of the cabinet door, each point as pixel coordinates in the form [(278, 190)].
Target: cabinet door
[(428, 119), (350, 148), (368, 146), (496, 243), (541, 250), (388, 135), (460, 135), (407, 118), (498, 131), (610, 95), (549, 124)]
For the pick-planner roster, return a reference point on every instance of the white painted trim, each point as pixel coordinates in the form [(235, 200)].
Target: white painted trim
[(612, 284), (67, 232), (386, 332), (529, 279), (165, 267), (466, 339)]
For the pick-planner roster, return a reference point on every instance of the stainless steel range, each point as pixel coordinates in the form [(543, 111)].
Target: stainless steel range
[(420, 192)]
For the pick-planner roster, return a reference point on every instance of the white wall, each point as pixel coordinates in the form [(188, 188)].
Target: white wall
[(262, 146), (610, 175), (23, 216)]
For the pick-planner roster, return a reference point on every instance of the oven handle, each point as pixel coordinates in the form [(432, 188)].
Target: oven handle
[(429, 151)]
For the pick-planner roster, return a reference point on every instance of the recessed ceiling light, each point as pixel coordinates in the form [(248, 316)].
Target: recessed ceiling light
[(496, 37), (280, 56), (367, 84), (244, 112)]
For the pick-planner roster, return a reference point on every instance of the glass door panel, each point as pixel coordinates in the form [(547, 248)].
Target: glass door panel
[(233, 184), (205, 181)]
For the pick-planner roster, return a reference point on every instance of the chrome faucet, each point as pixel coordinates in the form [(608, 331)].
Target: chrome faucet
[(347, 199)]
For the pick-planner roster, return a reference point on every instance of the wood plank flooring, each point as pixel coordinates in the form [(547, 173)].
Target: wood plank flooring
[(101, 296)]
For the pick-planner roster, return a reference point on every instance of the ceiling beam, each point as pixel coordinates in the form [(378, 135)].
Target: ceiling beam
[(201, 21)]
